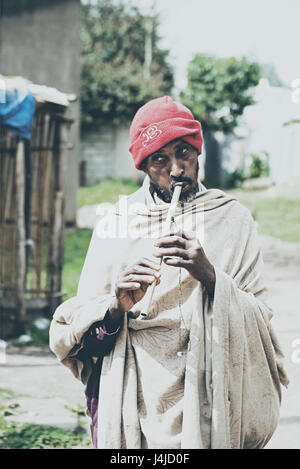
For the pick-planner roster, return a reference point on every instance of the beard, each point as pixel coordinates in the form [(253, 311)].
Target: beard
[(185, 196)]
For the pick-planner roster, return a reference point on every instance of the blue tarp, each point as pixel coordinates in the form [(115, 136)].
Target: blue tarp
[(16, 111)]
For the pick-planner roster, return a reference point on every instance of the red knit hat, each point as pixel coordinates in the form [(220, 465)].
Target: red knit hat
[(157, 123)]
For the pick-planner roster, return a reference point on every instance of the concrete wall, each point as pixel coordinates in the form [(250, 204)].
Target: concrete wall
[(266, 132), (40, 40), (261, 130), (105, 155)]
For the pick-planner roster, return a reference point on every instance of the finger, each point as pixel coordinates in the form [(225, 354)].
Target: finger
[(139, 278), (171, 241), (188, 235), (176, 262), (171, 252), (145, 262), (140, 269), (152, 263), (128, 286)]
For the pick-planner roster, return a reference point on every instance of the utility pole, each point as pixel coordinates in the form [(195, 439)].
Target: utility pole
[(148, 47)]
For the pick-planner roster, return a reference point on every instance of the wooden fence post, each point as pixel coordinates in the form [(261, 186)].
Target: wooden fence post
[(21, 238), (58, 234)]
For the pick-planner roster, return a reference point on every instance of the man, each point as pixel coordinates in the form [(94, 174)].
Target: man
[(203, 368)]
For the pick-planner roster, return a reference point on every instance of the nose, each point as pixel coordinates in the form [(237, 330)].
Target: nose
[(176, 170)]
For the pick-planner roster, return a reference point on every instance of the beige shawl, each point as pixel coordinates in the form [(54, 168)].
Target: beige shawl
[(233, 363)]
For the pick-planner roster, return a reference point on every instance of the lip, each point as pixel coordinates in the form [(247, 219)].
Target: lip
[(185, 185)]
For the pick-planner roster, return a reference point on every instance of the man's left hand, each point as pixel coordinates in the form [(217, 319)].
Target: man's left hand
[(181, 249)]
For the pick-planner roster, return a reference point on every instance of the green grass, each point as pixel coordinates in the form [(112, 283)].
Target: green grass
[(31, 436), (76, 246), (6, 394), (276, 216), (106, 191), (15, 435)]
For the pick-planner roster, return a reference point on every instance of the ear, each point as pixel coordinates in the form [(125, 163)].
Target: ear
[(143, 167)]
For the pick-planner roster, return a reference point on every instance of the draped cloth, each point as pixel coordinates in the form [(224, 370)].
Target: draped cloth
[(229, 389)]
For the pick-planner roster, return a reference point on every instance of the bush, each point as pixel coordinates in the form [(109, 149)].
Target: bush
[(236, 179), (31, 436), (259, 166)]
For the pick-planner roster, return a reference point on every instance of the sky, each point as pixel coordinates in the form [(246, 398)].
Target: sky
[(267, 30)]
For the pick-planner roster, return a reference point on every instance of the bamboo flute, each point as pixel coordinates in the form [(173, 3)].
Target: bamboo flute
[(167, 227)]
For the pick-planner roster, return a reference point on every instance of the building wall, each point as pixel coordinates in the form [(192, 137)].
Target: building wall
[(40, 40), (267, 132), (104, 153)]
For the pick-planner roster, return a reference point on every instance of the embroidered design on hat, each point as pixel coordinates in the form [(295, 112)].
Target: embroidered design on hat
[(150, 133)]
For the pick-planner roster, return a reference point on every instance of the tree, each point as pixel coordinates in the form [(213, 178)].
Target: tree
[(122, 65), (218, 90)]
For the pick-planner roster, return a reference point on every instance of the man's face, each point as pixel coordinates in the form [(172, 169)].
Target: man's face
[(175, 162)]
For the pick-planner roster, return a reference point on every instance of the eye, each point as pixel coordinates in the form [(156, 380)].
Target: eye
[(184, 150), (158, 158)]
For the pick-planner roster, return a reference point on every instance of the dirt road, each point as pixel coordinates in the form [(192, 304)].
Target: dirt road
[(282, 269)]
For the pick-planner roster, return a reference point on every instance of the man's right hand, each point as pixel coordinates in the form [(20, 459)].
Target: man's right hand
[(132, 285)]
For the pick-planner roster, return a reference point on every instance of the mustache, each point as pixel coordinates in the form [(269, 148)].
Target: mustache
[(183, 179)]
